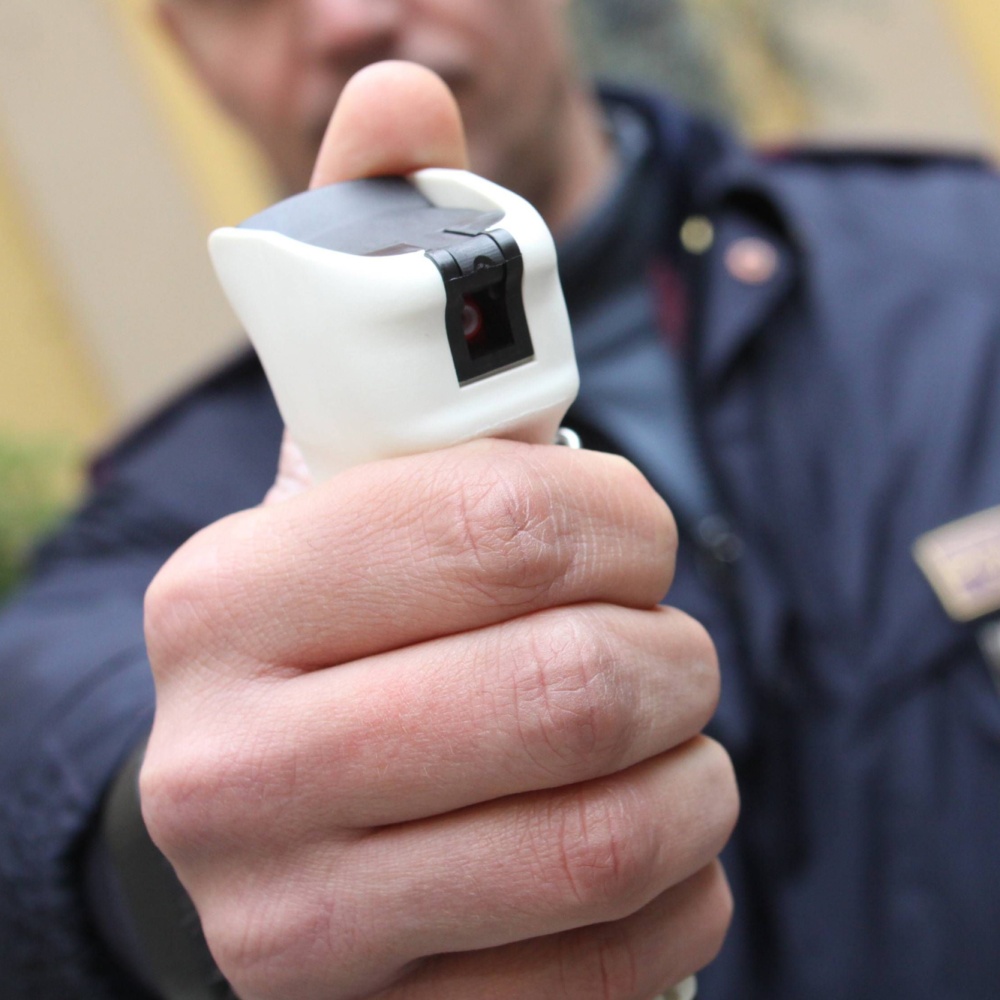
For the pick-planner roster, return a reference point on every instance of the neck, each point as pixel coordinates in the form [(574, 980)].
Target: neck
[(579, 168)]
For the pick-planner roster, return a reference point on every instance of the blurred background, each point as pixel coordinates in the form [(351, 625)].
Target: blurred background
[(113, 169)]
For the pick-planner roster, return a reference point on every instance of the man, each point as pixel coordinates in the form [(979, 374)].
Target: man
[(418, 732)]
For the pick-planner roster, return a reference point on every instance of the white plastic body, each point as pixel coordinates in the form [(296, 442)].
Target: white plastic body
[(355, 347), (687, 990)]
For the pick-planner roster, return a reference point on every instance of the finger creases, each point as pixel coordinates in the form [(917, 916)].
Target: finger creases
[(547, 700), (673, 935), (550, 861), (405, 550), (676, 934), (540, 883)]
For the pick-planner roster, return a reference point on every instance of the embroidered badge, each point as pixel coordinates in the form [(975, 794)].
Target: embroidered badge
[(961, 561)]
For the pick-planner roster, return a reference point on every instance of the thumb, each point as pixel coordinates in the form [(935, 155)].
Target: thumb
[(392, 118)]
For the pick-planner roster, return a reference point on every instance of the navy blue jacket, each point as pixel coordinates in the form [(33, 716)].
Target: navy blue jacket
[(845, 404)]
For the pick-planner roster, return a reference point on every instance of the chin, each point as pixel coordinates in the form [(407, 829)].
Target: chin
[(484, 161)]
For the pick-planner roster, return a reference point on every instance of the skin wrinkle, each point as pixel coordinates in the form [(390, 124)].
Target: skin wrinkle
[(414, 740), (488, 547), (513, 539), (505, 844), (304, 904), (177, 605), (534, 534), (614, 981), (574, 699), (572, 970), (598, 860), (355, 571), (434, 537), (489, 692)]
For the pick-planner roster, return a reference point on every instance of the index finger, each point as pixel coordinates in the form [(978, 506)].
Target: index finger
[(400, 551)]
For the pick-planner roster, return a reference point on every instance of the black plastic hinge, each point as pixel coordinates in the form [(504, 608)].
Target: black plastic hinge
[(484, 313)]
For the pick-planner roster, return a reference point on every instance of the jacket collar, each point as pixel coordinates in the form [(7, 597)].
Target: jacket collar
[(714, 177)]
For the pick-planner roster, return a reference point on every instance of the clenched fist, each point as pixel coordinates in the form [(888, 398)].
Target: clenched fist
[(424, 732)]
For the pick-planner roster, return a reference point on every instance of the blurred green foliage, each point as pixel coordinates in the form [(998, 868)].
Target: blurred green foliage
[(35, 488)]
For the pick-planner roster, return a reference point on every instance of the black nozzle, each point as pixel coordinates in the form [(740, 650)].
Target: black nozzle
[(484, 314)]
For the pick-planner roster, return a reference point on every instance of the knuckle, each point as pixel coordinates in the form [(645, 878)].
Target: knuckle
[(703, 675), (250, 945), (612, 966), (605, 859), (500, 529), (184, 605), (719, 778), (214, 792), (229, 941), (571, 698), (202, 600), (169, 590), (196, 796), (715, 914), (614, 972), (277, 935), (174, 799), (242, 939), (657, 522), (722, 908)]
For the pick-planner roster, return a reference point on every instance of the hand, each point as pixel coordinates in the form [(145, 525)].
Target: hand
[(422, 732)]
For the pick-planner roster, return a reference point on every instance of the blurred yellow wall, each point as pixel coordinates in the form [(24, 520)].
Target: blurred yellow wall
[(48, 388), (977, 26), (228, 176), (51, 386)]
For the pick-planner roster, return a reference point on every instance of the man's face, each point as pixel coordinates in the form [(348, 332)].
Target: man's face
[(278, 67)]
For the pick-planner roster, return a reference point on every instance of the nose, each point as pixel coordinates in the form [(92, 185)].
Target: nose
[(349, 27)]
